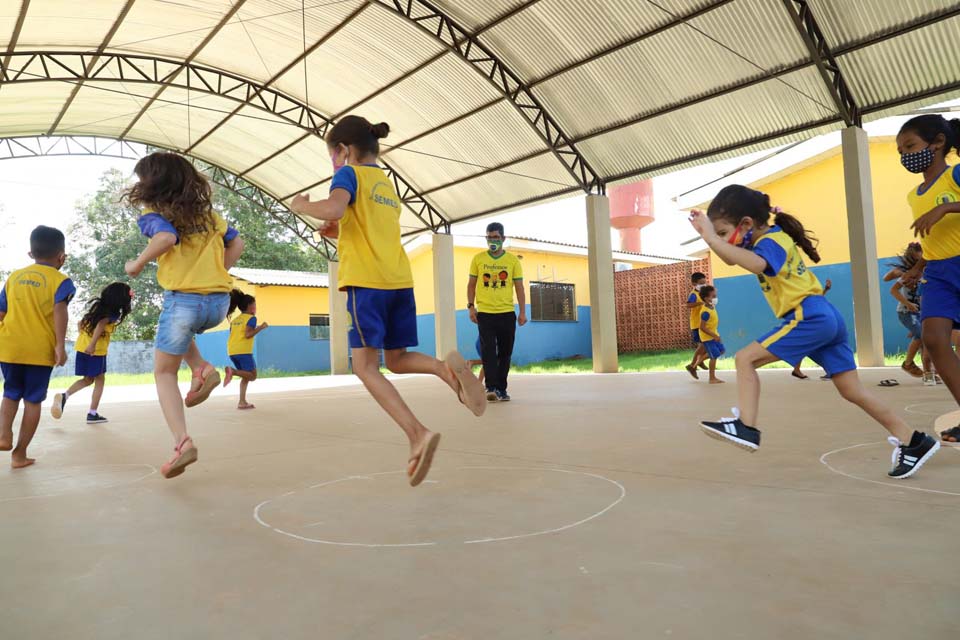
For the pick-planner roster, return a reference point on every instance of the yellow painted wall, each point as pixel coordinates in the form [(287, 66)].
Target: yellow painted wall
[(815, 195), (553, 267), (284, 306)]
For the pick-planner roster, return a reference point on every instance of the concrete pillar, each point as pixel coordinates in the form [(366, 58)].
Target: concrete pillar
[(444, 294), (339, 325), (863, 247), (603, 311)]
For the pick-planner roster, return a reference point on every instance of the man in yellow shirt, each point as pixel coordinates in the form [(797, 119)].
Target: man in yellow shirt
[(494, 276)]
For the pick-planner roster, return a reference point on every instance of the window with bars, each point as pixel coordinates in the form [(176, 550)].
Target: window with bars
[(553, 302), (319, 327)]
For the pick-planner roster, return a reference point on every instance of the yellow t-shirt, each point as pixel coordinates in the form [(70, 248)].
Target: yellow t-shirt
[(786, 282), (495, 281), (371, 254), (712, 320), (103, 343), (239, 343), (944, 239), (695, 311), (27, 335), (195, 263)]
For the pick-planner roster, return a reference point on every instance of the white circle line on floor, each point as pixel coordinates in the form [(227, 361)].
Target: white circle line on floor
[(900, 485), (152, 471), (369, 476), (910, 408)]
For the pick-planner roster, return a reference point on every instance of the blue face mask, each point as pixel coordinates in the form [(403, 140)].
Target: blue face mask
[(917, 162)]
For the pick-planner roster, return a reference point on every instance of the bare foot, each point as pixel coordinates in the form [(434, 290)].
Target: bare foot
[(716, 381), (6, 442), (21, 462), (227, 376)]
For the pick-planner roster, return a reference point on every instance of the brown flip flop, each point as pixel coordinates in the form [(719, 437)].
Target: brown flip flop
[(472, 394), (425, 460)]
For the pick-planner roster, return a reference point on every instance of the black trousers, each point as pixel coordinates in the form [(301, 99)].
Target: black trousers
[(497, 333)]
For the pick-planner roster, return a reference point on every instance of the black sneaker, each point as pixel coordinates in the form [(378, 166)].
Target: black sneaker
[(907, 460), (503, 396), (734, 431), (59, 402), (95, 418), (491, 395)]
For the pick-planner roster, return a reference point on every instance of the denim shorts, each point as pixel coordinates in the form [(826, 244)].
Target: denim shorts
[(911, 322), (184, 315)]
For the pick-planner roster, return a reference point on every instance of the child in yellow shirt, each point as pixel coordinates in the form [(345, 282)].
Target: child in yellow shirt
[(243, 329), (375, 273), (33, 328)]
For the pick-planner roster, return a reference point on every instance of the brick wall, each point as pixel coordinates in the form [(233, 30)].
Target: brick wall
[(650, 306)]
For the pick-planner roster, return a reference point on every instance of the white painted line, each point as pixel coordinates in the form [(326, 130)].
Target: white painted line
[(900, 485), (153, 470)]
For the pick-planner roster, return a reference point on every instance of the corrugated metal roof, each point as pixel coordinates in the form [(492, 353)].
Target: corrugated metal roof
[(641, 87), (285, 278)]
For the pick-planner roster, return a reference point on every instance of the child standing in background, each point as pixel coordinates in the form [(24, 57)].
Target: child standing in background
[(33, 330), (105, 313), (243, 329), (709, 327), (193, 247), (694, 305)]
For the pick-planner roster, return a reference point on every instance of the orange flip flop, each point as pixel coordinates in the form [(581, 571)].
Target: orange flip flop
[(425, 460), (207, 385), (472, 393), (181, 459)]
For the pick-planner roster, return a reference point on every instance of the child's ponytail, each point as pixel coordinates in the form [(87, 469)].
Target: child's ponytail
[(239, 300), (793, 228)]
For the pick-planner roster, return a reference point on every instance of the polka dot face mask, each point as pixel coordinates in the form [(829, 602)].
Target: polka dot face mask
[(918, 161)]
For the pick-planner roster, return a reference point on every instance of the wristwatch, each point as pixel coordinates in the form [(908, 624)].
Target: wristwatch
[(469, 305)]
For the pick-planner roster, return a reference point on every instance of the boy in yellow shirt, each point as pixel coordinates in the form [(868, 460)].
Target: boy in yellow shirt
[(709, 331), (375, 273), (33, 328)]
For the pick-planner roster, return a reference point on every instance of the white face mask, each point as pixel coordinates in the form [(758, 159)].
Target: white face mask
[(715, 301), (699, 286)]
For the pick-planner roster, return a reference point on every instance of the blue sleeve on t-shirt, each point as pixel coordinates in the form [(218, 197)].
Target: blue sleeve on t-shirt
[(252, 322), (773, 253), (956, 174), (153, 223), (705, 315), (692, 298), (346, 178), (230, 235), (3, 299), (65, 291)]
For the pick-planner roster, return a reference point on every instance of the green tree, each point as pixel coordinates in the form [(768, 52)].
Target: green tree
[(105, 235)]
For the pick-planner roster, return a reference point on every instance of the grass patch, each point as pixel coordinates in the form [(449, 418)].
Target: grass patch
[(652, 362)]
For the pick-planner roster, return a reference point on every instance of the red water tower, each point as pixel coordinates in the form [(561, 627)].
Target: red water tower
[(631, 209)]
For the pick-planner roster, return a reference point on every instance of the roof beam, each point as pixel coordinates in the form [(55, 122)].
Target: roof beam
[(816, 43), (469, 48), (293, 63), (227, 17), (14, 37), (91, 63)]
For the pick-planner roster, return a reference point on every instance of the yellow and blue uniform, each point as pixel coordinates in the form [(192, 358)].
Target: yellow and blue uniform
[(695, 315), (709, 317), (91, 366), (27, 334), (811, 326), (941, 249), (239, 346), (374, 269), (195, 280)]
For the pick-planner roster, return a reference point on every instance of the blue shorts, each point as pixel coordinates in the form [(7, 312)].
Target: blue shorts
[(90, 366), (911, 322), (244, 362), (382, 318), (814, 330), (695, 334), (714, 349), (26, 382), (941, 290), (184, 315)]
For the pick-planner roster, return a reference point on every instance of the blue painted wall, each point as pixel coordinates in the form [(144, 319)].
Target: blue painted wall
[(279, 348), (745, 315)]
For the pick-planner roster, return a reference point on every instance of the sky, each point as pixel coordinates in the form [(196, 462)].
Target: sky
[(46, 191)]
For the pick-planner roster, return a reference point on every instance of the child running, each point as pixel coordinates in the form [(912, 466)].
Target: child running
[(193, 247), (375, 273), (103, 316), (709, 327), (33, 330), (908, 312), (695, 305), (737, 229), (243, 329), (923, 143)]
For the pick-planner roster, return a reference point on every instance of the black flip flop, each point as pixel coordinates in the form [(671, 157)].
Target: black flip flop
[(889, 383)]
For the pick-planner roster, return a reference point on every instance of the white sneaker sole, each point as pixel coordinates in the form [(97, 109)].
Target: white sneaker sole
[(57, 409), (920, 463), (725, 437), (97, 421)]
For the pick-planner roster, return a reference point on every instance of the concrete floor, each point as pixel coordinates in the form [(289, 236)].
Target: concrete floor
[(589, 508)]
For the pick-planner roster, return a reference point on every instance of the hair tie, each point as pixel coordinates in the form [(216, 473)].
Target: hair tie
[(776, 210)]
